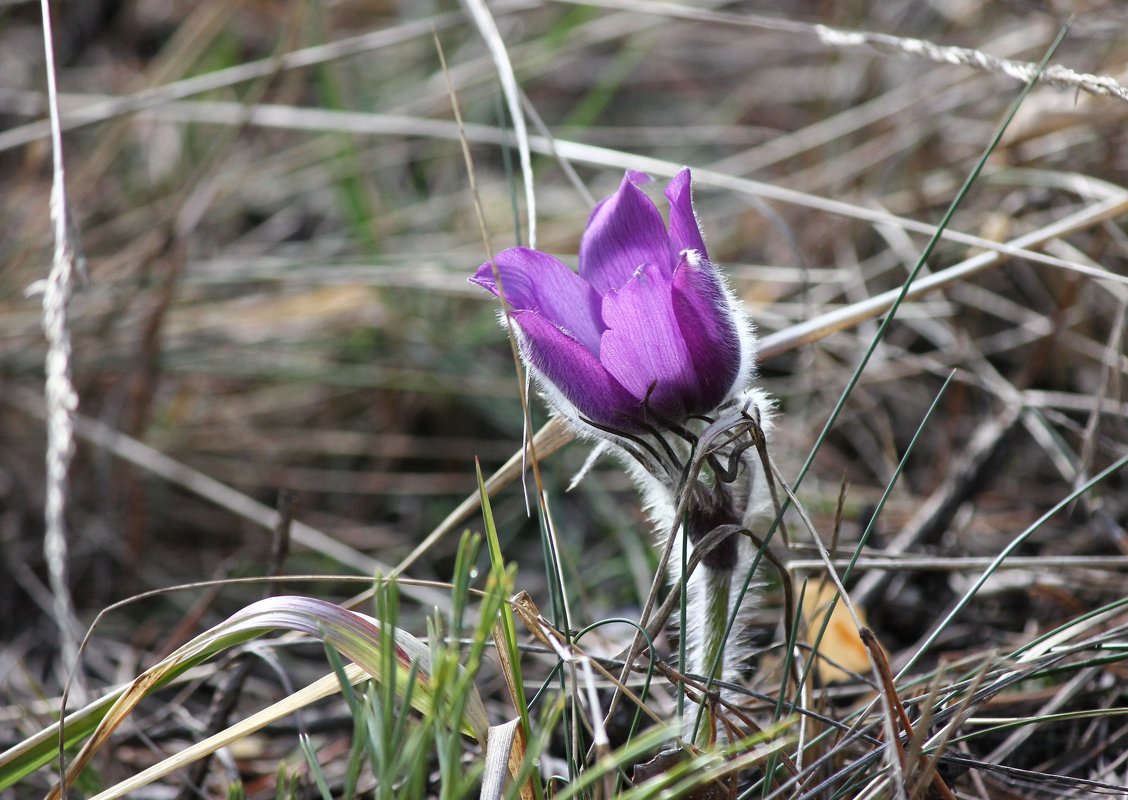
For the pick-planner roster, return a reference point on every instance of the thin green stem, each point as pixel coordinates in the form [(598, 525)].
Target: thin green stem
[(717, 587)]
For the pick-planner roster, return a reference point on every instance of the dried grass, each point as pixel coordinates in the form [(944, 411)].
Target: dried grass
[(276, 218)]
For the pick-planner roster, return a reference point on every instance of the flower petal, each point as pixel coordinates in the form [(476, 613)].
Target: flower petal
[(685, 232), (574, 372), (644, 348), (535, 281), (709, 327), (638, 177), (624, 232)]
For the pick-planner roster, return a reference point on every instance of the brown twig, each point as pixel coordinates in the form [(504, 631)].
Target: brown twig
[(881, 663)]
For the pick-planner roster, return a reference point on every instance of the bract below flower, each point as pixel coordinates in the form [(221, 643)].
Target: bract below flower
[(646, 332)]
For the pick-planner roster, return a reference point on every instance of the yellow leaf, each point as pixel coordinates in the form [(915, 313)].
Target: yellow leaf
[(841, 649)]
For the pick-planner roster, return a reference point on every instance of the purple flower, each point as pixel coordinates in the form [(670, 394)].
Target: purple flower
[(645, 332)]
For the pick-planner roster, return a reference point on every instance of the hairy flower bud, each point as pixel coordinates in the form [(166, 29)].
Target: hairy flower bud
[(710, 509), (645, 333)]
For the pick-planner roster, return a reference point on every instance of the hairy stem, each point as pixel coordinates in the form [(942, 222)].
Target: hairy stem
[(715, 622), (711, 606)]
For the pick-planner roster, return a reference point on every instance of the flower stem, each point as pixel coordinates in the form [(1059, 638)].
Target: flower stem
[(718, 583), (710, 661)]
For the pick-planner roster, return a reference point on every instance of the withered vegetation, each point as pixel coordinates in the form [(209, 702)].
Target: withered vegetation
[(277, 226)]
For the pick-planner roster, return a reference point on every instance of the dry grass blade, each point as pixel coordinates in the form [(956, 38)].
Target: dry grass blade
[(507, 743), (157, 463), (546, 442), (1054, 75), (488, 28), (901, 720), (941, 625), (60, 394), (505, 750), (1065, 694), (273, 202), (318, 690), (388, 655), (936, 514), (295, 118), (108, 108)]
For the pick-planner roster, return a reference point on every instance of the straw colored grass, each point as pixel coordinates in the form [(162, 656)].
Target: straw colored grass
[(277, 224)]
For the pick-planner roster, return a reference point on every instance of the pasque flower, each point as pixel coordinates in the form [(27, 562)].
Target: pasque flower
[(646, 350), (646, 332)]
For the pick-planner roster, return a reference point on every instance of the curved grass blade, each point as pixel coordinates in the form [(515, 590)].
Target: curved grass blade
[(355, 635)]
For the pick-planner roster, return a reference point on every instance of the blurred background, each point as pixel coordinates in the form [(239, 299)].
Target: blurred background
[(278, 227)]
